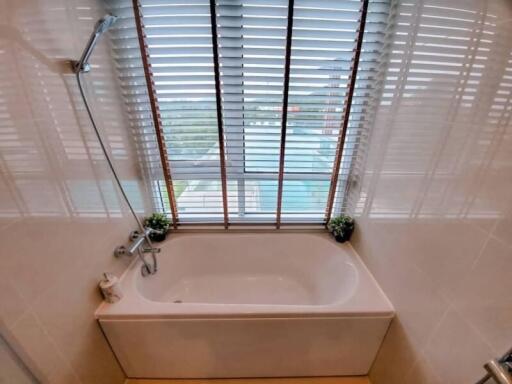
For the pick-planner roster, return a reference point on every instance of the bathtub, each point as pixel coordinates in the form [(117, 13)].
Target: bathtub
[(248, 305)]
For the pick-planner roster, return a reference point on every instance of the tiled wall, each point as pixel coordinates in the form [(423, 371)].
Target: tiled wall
[(435, 215), (12, 369), (60, 214)]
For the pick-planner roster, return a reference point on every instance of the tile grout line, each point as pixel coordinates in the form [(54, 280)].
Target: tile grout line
[(57, 348)]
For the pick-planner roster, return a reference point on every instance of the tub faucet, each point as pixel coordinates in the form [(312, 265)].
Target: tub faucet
[(137, 246)]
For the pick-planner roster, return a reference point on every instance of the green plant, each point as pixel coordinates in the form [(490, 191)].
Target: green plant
[(158, 221), (341, 226)]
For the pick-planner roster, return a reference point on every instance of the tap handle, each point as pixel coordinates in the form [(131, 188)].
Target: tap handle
[(149, 231)]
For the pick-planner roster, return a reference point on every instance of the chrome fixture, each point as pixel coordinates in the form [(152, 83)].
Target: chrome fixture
[(500, 370), (103, 24), (137, 240), (142, 235)]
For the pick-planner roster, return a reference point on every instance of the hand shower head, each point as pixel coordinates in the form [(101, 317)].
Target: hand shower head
[(101, 27), (104, 23)]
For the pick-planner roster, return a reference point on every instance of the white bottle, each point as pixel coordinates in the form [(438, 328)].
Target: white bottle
[(111, 288)]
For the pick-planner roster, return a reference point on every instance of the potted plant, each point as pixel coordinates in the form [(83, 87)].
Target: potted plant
[(160, 223), (341, 228)]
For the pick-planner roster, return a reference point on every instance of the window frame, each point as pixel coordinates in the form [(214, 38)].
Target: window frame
[(224, 146)]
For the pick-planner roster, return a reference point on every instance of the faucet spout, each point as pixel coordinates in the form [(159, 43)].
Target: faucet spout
[(136, 246)]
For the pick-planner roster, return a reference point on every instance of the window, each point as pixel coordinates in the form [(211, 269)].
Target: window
[(259, 106)]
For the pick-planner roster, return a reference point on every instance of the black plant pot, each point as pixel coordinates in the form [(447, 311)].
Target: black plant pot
[(157, 237), (344, 237)]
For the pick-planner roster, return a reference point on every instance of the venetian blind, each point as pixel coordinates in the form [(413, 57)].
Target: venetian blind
[(256, 75)]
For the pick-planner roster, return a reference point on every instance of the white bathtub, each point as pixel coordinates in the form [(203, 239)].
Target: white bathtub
[(248, 305)]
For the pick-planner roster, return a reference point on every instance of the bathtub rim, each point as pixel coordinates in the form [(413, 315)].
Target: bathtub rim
[(144, 308)]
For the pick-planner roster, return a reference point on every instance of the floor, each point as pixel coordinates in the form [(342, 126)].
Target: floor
[(311, 380)]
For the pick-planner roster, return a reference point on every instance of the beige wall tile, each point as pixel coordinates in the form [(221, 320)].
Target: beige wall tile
[(11, 369), (484, 299), (503, 228), (396, 357), (423, 373), (444, 250), (43, 351), (60, 214), (391, 261), (456, 351), (12, 305), (434, 218)]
